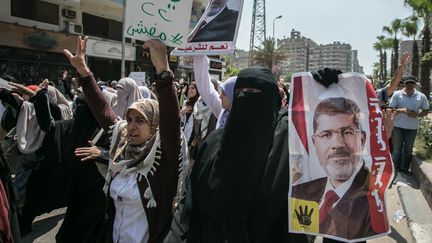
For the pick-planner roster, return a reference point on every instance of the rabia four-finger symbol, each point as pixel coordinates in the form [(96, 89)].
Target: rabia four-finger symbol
[(304, 217)]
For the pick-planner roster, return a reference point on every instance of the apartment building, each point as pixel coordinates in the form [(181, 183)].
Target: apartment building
[(304, 54)]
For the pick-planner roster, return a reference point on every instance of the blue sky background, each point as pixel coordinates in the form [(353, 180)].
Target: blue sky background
[(356, 22)]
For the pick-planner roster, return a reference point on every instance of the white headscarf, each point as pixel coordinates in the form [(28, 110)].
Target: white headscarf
[(56, 97), (127, 93), (110, 96), (146, 93), (29, 135)]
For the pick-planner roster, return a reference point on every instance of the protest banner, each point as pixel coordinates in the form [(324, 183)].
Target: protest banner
[(216, 31), (340, 159), (165, 20)]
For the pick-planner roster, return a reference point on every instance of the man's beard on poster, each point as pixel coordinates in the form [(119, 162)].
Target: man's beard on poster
[(342, 168)]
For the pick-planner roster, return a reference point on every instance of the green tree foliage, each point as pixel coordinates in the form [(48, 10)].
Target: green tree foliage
[(268, 53), (423, 9), (394, 30)]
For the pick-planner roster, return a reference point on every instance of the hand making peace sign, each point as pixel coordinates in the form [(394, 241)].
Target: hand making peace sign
[(78, 60)]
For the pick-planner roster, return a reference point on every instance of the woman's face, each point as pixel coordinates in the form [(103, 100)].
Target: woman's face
[(192, 91), (138, 130)]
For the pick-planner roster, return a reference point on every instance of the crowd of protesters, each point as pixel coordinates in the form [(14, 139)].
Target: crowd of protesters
[(155, 164)]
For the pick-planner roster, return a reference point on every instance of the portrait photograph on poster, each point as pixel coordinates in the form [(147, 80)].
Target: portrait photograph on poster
[(340, 159), (216, 31)]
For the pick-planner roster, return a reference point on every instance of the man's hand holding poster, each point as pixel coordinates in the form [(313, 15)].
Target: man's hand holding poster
[(216, 31), (340, 159)]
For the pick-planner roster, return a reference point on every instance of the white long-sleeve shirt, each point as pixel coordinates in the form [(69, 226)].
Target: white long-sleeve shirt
[(130, 222), (206, 89), (204, 85)]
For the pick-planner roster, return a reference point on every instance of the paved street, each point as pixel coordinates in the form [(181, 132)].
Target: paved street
[(46, 226)]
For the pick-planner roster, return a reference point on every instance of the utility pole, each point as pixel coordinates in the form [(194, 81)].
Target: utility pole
[(307, 57), (123, 63), (274, 49)]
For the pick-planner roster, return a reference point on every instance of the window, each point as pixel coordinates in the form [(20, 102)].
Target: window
[(102, 27), (35, 10), (94, 25)]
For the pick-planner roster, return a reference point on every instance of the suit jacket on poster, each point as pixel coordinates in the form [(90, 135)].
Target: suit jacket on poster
[(221, 28), (350, 218)]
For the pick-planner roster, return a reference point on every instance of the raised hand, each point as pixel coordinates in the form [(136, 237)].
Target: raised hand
[(44, 84), (21, 89), (405, 58), (78, 60), (304, 217), (158, 55)]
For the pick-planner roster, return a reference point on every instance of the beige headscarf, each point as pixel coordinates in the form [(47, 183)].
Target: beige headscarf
[(144, 159), (127, 93), (125, 158), (56, 97)]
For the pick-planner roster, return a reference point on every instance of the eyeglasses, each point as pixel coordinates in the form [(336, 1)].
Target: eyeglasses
[(346, 133)]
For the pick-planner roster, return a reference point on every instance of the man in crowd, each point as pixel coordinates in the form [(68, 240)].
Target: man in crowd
[(342, 195), (410, 105)]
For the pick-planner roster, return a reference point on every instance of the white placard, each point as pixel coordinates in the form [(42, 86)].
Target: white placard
[(165, 20), (139, 77)]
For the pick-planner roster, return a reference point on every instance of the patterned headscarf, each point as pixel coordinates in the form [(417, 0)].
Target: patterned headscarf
[(149, 109)]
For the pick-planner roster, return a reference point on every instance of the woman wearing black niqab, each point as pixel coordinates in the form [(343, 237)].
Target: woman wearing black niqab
[(231, 161)]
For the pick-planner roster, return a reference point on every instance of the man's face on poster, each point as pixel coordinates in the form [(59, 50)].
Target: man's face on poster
[(216, 6), (339, 143)]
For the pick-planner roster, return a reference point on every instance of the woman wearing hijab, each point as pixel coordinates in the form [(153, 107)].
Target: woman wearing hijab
[(38, 174), (237, 191), (127, 93), (219, 103), (231, 161), (144, 157), (187, 119), (204, 122), (80, 183)]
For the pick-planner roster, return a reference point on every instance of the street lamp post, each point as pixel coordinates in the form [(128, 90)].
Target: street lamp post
[(278, 17), (273, 39)]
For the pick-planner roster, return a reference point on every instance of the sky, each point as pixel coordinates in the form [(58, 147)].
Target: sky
[(356, 22)]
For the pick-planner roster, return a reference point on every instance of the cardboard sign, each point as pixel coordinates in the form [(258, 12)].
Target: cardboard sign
[(139, 77), (165, 20)]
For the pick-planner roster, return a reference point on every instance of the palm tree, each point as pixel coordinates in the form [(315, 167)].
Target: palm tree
[(387, 44), (268, 54), (393, 30), (410, 29), (423, 8), (378, 65), (376, 71), (378, 46)]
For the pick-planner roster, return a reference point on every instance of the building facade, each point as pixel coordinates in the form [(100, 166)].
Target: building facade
[(303, 54), (35, 32)]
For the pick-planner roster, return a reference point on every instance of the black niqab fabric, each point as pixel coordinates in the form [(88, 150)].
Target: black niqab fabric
[(231, 163)]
